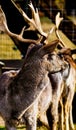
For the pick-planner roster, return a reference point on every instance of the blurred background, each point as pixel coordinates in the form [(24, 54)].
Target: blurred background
[(47, 12)]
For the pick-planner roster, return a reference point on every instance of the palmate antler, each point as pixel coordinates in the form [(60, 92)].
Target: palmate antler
[(4, 28), (34, 22), (58, 20), (68, 51)]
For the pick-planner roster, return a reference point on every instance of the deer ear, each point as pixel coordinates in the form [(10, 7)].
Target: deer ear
[(46, 49)]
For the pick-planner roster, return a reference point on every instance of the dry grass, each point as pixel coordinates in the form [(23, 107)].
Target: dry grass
[(6, 48)]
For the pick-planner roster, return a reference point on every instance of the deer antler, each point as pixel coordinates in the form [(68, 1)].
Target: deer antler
[(34, 21), (4, 28), (58, 20), (2, 20)]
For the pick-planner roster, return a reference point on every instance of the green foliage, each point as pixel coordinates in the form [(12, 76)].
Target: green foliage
[(2, 128)]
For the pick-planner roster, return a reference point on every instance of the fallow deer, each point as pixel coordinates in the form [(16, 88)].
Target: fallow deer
[(19, 37), (69, 81)]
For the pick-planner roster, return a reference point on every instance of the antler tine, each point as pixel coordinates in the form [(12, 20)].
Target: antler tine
[(26, 18), (2, 20), (34, 21), (58, 20), (37, 20), (4, 28)]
